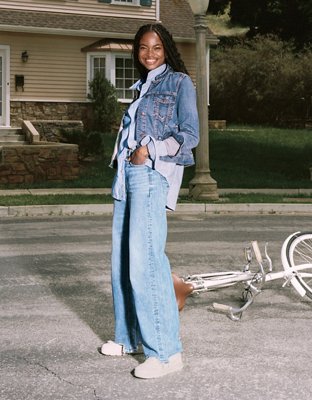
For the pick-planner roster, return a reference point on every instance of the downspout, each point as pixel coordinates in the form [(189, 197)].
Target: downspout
[(158, 10)]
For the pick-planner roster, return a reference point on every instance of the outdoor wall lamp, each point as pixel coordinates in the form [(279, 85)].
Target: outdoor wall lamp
[(24, 56), (202, 186)]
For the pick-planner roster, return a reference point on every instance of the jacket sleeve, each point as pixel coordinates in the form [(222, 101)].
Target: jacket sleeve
[(187, 131)]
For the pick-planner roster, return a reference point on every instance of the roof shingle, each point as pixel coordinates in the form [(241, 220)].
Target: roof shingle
[(176, 15)]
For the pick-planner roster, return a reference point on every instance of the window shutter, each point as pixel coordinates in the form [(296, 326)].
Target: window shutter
[(105, 1), (146, 3)]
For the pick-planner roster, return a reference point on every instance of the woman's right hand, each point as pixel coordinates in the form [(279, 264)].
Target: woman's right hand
[(139, 156)]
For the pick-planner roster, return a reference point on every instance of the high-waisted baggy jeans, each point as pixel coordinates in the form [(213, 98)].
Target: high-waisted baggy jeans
[(144, 301)]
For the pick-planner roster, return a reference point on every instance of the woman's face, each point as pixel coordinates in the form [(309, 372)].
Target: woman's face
[(151, 51)]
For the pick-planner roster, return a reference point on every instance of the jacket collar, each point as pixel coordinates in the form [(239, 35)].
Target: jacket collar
[(137, 85)]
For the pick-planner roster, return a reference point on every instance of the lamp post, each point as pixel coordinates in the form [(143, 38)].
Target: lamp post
[(202, 186)]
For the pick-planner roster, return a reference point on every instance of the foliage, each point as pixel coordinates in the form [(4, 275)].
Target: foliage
[(106, 109), (260, 80), (218, 6), (106, 113), (290, 20), (89, 143)]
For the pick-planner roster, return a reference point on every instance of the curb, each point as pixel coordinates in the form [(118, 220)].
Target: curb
[(202, 208), (183, 191), (182, 208), (56, 210)]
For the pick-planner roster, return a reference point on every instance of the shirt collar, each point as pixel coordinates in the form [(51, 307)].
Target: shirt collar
[(150, 76), (155, 72)]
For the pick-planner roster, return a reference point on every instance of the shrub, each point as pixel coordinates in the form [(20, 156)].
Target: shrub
[(89, 143), (106, 113), (106, 110), (260, 80)]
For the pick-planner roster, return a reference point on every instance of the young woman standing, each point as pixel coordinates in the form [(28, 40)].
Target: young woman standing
[(157, 134)]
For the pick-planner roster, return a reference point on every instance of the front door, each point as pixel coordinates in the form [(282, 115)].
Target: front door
[(4, 86)]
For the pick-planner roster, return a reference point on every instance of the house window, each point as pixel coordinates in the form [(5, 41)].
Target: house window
[(118, 69), (98, 66), (145, 3), (135, 2), (126, 75)]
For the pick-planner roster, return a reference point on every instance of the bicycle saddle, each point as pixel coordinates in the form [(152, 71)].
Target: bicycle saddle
[(182, 290)]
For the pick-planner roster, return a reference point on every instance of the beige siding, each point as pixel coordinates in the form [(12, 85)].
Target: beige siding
[(55, 70), (90, 7), (187, 51)]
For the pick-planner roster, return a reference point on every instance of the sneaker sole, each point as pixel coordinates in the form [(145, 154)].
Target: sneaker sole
[(159, 375)]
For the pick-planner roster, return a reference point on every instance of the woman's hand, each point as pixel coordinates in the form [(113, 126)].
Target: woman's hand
[(139, 156)]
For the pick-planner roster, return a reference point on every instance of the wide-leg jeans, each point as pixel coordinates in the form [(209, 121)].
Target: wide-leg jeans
[(145, 306)]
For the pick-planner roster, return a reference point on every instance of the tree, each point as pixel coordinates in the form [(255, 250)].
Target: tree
[(260, 80), (288, 19), (218, 6)]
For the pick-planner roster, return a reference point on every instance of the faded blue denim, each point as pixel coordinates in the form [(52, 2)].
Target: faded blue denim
[(144, 301), (168, 109)]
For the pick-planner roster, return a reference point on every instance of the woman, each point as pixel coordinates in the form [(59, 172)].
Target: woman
[(158, 131)]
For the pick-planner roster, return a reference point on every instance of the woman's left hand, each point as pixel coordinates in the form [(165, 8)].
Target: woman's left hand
[(139, 156)]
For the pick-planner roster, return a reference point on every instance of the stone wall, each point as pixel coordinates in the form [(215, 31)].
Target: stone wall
[(217, 124), (37, 110), (51, 130), (38, 162)]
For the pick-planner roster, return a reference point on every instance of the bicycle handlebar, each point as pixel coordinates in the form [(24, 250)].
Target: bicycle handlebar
[(222, 307)]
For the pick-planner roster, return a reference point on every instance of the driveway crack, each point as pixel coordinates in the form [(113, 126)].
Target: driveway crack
[(50, 371)]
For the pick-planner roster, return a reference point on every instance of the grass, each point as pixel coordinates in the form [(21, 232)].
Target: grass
[(54, 199), (60, 199), (261, 158), (240, 157)]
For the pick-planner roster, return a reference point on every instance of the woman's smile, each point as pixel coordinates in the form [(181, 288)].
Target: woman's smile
[(151, 51)]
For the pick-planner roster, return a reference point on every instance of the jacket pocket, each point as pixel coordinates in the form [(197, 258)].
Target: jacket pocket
[(163, 106)]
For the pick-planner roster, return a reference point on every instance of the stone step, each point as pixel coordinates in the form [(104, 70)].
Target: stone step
[(11, 137), (10, 131), (17, 143)]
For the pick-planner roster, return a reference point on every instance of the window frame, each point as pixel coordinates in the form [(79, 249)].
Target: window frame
[(125, 3), (110, 68)]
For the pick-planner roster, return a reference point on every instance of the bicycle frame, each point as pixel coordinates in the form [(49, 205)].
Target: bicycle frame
[(252, 281)]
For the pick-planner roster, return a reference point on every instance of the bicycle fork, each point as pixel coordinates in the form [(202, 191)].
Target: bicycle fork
[(253, 287)]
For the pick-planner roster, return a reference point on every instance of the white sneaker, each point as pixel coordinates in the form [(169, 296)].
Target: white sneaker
[(111, 348), (153, 368)]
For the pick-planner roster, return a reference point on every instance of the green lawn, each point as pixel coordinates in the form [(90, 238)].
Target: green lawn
[(261, 158), (240, 157), (60, 199)]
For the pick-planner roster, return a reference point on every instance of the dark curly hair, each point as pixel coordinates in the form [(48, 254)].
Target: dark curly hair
[(173, 57)]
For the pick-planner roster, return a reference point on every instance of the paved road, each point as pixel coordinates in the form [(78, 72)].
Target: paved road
[(56, 309)]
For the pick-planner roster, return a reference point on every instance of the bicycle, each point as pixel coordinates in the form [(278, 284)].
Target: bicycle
[(296, 256)]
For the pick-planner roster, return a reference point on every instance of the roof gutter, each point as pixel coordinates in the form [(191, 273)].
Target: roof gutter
[(62, 32), (86, 33)]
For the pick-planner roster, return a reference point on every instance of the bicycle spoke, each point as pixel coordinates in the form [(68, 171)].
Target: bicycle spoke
[(299, 252)]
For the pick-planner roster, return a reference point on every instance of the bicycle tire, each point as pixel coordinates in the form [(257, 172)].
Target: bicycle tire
[(298, 252)]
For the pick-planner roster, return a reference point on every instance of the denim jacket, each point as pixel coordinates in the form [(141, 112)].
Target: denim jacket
[(169, 109)]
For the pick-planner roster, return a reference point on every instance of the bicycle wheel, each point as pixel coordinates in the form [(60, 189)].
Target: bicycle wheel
[(299, 253)]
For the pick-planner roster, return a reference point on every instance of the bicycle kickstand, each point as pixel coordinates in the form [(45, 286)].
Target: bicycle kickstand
[(234, 313)]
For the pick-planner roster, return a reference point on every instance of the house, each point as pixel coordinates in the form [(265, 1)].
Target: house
[(51, 49)]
